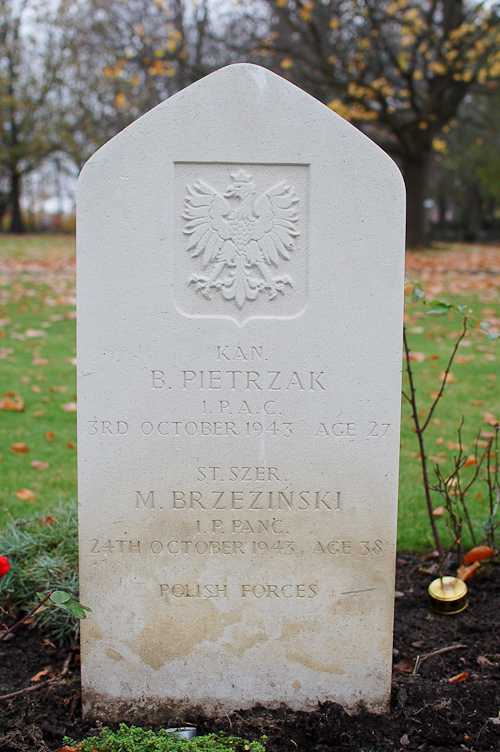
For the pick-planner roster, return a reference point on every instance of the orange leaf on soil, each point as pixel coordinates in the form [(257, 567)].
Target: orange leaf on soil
[(50, 436), (406, 664), (478, 554), (69, 407), (25, 494), (463, 572), (46, 672), (39, 465), (20, 448), (15, 404), (459, 678)]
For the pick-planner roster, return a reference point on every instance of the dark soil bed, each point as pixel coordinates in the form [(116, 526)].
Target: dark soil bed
[(428, 712)]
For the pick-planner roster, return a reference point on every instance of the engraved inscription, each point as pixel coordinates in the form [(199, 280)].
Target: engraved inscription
[(194, 590), (240, 237), (283, 500)]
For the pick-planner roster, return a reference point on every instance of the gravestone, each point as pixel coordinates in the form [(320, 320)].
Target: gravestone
[(240, 281)]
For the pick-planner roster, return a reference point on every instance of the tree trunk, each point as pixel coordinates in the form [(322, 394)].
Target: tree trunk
[(415, 173), (471, 214), (16, 218)]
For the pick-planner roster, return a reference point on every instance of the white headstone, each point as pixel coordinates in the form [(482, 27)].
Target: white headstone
[(240, 273)]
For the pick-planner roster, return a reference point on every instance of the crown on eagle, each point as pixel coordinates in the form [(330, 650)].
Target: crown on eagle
[(241, 176)]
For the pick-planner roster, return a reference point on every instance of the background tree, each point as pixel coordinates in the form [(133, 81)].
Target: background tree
[(465, 179), (126, 57), (399, 69), (31, 63)]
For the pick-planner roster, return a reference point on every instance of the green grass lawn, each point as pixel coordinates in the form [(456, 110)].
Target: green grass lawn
[(472, 392), (37, 363)]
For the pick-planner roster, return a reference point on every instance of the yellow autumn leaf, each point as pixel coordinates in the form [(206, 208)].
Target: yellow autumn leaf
[(121, 101)]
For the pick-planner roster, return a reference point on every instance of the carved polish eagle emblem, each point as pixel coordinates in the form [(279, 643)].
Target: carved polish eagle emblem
[(241, 237)]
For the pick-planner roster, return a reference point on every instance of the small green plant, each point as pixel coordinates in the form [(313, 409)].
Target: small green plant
[(455, 490), (135, 739), (453, 487), (43, 557)]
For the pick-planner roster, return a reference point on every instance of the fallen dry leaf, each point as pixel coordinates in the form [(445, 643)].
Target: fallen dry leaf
[(464, 572), (439, 441), (471, 460), (20, 448), (438, 512), (418, 357), (35, 388), (50, 436), (476, 403), (47, 521), (15, 404), (459, 678), (482, 661), (489, 418), (49, 672), (70, 445), (69, 407), (31, 333), (38, 414), (39, 465), (40, 362), (450, 378), (25, 494), (478, 554), (487, 435), (406, 665)]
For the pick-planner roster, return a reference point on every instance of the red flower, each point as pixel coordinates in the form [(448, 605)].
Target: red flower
[(4, 566)]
